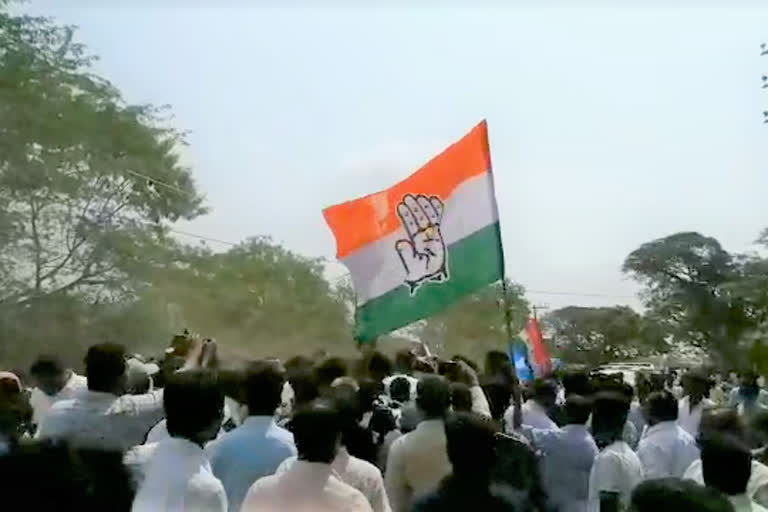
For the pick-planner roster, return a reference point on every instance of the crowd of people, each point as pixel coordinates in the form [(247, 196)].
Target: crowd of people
[(417, 433)]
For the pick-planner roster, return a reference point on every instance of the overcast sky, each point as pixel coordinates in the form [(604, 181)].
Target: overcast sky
[(609, 127)]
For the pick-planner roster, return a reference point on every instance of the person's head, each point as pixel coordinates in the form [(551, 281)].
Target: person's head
[(577, 409), (15, 409), (48, 374), (719, 421), (461, 397), (304, 387), (329, 370), (696, 384), (400, 389), (105, 368), (677, 495), (433, 396), (379, 366), (749, 389), (660, 406), (470, 442), (544, 392), (370, 389), (317, 431), (404, 360), (53, 476), (726, 464), (495, 361), (298, 364), (264, 382), (577, 383), (609, 413), (194, 405), (499, 395)]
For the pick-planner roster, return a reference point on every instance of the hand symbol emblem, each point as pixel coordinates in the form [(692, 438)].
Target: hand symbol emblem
[(423, 252)]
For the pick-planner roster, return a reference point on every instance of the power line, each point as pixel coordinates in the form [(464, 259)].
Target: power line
[(156, 181)]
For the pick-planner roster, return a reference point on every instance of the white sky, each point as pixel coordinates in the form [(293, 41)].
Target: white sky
[(609, 126)]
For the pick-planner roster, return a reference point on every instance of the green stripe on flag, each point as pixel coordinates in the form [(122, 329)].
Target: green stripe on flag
[(473, 262)]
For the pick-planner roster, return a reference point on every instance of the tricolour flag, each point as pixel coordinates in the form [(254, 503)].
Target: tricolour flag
[(531, 337), (421, 245)]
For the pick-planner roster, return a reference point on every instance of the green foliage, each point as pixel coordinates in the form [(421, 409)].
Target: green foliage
[(593, 336), (688, 282), (476, 324)]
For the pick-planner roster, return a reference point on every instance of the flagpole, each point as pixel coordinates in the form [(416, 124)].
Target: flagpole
[(507, 310)]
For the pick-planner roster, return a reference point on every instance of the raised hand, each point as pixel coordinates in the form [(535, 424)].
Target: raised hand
[(423, 252)]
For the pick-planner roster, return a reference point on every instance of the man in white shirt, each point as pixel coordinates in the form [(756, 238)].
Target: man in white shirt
[(726, 464), (666, 450), (616, 469), (360, 474), (568, 455), (310, 484), (726, 422), (102, 417), (418, 460), (178, 476), (53, 383), (535, 409), (697, 387)]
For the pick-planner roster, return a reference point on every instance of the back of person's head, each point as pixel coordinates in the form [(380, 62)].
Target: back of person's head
[(329, 370), (677, 495), (722, 420), (46, 365), (461, 397), (404, 360), (194, 405), (400, 389), (370, 389), (661, 406), (726, 463), (609, 413), (379, 366), (52, 476), (498, 394), (433, 396), (697, 382), (264, 382), (299, 364), (105, 368), (304, 385), (577, 383), (495, 361), (545, 392), (577, 409), (15, 409), (470, 444), (316, 430)]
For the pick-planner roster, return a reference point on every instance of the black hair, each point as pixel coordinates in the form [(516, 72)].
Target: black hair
[(369, 390), (677, 495), (379, 365), (662, 406), (461, 397), (264, 382), (400, 389), (105, 366), (577, 383), (46, 365), (470, 444), (433, 396), (577, 409), (330, 370), (495, 361), (316, 430), (193, 402), (544, 389), (65, 478), (609, 413), (726, 464), (498, 394), (298, 364), (304, 385), (721, 420)]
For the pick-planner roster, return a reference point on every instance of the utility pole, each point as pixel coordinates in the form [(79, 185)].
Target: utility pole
[(539, 307)]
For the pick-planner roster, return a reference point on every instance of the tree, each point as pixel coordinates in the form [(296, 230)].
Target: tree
[(593, 336), (82, 173), (87, 182), (476, 324), (686, 278)]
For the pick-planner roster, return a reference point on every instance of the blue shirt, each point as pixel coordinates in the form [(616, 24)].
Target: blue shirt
[(568, 456), (253, 450)]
